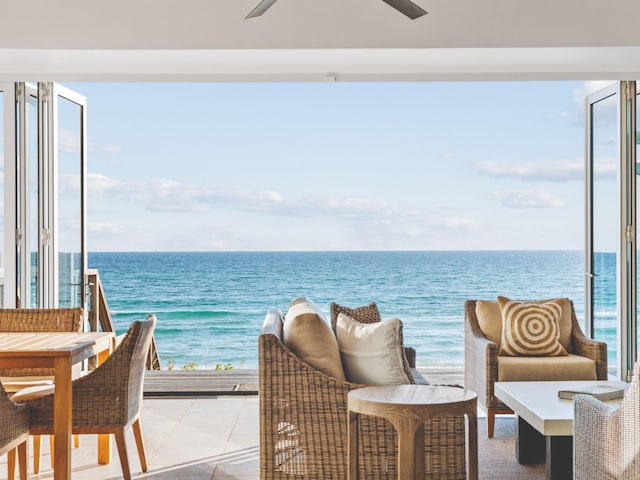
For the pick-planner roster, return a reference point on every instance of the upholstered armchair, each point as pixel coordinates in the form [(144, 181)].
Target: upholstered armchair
[(587, 359), (606, 437)]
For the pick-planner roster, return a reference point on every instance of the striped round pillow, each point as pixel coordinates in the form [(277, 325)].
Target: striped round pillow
[(530, 329)]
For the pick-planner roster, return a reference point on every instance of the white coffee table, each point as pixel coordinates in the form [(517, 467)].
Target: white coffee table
[(544, 430)]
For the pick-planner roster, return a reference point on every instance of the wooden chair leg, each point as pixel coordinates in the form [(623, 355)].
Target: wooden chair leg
[(137, 433), (51, 449), (491, 422), (22, 460), (122, 452), (11, 464), (36, 453)]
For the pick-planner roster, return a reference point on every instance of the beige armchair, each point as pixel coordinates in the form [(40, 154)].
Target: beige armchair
[(607, 438), (587, 359)]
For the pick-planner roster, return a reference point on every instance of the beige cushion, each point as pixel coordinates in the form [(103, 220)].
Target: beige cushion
[(530, 328), (529, 369), (372, 353), (35, 391), (490, 320), (307, 333)]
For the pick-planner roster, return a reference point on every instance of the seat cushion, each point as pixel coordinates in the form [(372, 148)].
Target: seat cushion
[(306, 332), (530, 369), (372, 354), (530, 328), (490, 320)]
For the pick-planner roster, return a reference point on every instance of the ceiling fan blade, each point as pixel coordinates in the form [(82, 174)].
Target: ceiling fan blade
[(262, 7), (407, 7)]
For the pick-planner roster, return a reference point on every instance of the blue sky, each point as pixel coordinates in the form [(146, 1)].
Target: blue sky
[(337, 166)]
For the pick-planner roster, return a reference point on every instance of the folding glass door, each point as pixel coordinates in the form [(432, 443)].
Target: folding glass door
[(610, 281), (44, 196)]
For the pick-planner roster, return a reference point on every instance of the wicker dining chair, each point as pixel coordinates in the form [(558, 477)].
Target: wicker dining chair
[(107, 400), (606, 438), (14, 433), (36, 320)]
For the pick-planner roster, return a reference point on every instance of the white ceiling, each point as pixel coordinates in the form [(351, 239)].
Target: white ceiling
[(342, 40)]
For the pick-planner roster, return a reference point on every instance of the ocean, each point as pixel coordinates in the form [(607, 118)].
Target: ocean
[(210, 305)]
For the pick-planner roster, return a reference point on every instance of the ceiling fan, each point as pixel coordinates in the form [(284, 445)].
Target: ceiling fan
[(407, 7)]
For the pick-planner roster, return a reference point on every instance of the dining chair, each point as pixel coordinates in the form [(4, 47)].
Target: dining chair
[(14, 433), (36, 320), (107, 400)]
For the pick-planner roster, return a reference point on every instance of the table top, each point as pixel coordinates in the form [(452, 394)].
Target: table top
[(49, 344), (538, 402), (412, 394)]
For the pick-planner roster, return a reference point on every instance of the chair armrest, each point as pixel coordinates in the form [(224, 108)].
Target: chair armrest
[(481, 366), (593, 349), (597, 431), (480, 359)]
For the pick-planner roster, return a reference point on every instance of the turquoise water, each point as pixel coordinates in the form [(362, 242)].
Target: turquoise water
[(211, 305)]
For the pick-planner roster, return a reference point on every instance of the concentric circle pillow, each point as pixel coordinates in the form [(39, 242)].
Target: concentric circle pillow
[(530, 329)]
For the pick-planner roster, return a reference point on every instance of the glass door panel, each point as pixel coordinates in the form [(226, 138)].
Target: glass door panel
[(637, 177), (28, 248), (3, 104), (69, 235), (602, 257)]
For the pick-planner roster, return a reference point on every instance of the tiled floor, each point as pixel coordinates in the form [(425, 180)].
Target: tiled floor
[(196, 438), (217, 438)]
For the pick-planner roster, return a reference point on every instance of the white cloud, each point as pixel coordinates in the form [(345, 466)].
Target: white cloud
[(68, 141), (108, 149), (557, 171), (560, 171), (448, 155), (161, 195), (529, 198), (104, 227), (459, 223)]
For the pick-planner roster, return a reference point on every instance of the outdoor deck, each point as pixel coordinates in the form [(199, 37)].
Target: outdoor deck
[(214, 436), (178, 383)]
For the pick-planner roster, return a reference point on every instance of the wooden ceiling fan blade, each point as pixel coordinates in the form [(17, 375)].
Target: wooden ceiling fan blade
[(407, 7), (262, 7)]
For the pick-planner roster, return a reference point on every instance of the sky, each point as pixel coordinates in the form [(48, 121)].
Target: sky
[(338, 166)]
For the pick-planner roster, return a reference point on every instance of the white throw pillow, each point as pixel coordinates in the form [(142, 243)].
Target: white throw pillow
[(372, 354)]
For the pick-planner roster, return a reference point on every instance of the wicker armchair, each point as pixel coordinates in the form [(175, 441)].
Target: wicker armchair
[(108, 399), (303, 424), (607, 438), (14, 433), (481, 361)]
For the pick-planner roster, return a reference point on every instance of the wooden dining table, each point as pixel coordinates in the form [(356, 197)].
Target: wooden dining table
[(59, 351)]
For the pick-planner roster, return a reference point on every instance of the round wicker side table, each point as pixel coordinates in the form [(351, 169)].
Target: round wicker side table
[(407, 407)]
